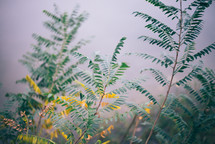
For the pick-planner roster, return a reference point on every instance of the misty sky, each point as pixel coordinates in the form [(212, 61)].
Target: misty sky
[(109, 20)]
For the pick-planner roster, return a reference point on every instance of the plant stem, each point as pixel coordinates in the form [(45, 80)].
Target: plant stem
[(58, 64), (54, 78), (80, 136), (100, 103), (94, 114), (135, 128), (27, 125), (38, 126), (127, 131), (172, 76), (188, 135)]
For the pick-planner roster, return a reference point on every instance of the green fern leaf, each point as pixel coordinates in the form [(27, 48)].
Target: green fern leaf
[(117, 49), (168, 10), (167, 62), (159, 77), (163, 44), (155, 22), (49, 14)]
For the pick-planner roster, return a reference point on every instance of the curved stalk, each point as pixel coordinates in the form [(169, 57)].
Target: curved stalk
[(54, 78), (172, 77), (135, 128), (94, 114), (128, 129)]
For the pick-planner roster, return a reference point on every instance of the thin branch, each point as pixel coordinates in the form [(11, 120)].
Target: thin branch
[(59, 60), (188, 135), (80, 136), (128, 129), (94, 114), (38, 126), (172, 76), (135, 128)]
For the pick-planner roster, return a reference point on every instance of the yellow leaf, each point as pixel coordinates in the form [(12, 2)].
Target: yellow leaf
[(62, 113), (71, 100), (64, 135), (67, 111), (104, 104), (46, 102), (106, 142), (140, 117), (88, 137), (110, 95), (34, 141), (109, 128), (147, 110), (77, 94), (82, 103), (52, 135), (114, 107), (103, 133), (55, 134), (151, 103), (47, 124), (80, 131), (85, 87), (32, 83)]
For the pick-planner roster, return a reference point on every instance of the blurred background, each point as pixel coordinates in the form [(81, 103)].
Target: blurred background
[(108, 21)]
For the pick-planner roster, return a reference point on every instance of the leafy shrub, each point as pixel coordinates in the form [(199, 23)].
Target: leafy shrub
[(74, 102)]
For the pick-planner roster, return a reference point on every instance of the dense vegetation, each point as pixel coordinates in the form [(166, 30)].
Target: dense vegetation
[(73, 98)]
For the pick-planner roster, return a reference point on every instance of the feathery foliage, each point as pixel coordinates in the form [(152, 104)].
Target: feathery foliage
[(49, 66), (180, 45)]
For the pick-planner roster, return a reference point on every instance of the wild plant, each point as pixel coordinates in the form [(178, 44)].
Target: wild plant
[(179, 42)]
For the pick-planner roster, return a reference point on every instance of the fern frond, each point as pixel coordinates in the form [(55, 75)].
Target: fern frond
[(201, 53), (54, 17), (188, 51), (79, 45), (195, 24), (120, 90), (28, 61), (139, 110), (165, 63), (189, 77), (91, 95), (155, 22), (33, 139), (114, 76), (43, 40), (163, 135), (194, 93), (198, 3), (193, 105), (135, 139), (163, 34), (138, 87), (51, 26), (176, 103), (87, 77), (208, 123), (32, 83), (81, 58), (159, 77), (160, 43), (116, 104), (117, 49), (177, 119), (168, 10)]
